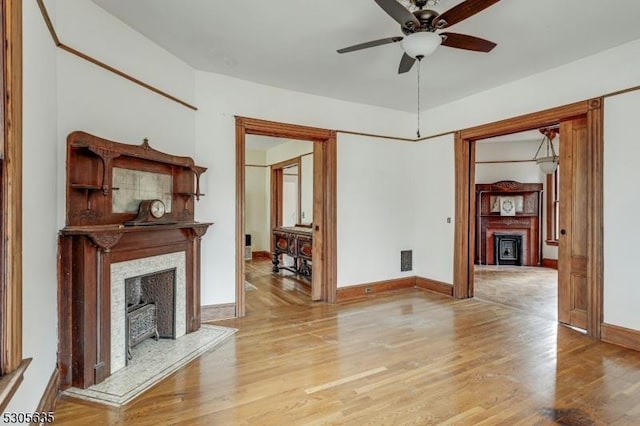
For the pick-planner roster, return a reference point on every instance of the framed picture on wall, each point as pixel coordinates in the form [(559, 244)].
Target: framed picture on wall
[(494, 202), (507, 206)]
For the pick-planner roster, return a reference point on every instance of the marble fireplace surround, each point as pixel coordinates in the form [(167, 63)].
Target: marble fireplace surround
[(132, 268), (85, 293)]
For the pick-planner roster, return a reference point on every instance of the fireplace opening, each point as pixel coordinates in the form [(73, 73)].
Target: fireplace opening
[(508, 249), (150, 307)]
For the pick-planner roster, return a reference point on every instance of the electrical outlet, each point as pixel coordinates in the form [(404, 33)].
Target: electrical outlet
[(448, 220)]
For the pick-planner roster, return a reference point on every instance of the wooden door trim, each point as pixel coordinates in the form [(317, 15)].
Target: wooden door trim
[(275, 204), (595, 206), (464, 194), (526, 122), (277, 194), (324, 194)]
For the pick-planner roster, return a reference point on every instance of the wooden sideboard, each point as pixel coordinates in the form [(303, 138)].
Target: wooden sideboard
[(294, 241), (526, 222)]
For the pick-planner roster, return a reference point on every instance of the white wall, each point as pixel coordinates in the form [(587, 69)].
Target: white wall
[(434, 193), (290, 197), (507, 151), (256, 200), (39, 268), (101, 103), (621, 206), (375, 208), (219, 98), (306, 190)]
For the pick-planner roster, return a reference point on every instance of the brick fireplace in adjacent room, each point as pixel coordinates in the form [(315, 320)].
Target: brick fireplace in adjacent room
[(519, 231)]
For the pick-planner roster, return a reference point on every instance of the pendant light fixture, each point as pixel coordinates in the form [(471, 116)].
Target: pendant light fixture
[(549, 163)]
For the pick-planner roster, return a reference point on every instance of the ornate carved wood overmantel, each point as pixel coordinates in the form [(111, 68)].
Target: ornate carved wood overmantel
[(96, 237)]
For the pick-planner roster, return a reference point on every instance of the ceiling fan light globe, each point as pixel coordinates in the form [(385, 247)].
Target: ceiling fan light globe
[(420, 44)]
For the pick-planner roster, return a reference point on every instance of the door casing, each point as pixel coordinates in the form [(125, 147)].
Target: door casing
[(324, 202), (277, 196), (465, 196)]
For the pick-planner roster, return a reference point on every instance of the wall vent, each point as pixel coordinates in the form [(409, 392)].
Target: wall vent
[(406, 260)]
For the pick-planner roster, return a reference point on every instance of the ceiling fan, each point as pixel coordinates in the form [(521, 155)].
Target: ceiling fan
[(420, 29)]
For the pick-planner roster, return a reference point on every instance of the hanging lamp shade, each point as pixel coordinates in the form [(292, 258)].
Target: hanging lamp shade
[(549, 163), (420, 44)]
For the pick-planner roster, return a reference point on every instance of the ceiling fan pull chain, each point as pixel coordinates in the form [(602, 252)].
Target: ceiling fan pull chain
[(419, 58)]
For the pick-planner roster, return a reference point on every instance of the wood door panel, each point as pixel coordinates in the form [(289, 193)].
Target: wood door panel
[(578, 299), (579, 191), (573, 248)]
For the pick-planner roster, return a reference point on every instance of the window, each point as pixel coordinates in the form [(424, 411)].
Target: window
[(553, 207)]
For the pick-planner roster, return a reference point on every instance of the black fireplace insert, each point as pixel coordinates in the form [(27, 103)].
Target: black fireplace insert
[(508, 249)]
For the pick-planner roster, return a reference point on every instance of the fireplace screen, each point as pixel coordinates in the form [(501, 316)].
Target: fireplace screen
[(151, 307)]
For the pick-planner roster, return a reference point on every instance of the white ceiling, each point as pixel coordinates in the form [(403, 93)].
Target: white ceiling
[(292, 43)]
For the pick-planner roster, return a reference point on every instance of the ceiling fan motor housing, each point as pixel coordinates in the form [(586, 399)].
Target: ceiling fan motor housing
[(425, 17)]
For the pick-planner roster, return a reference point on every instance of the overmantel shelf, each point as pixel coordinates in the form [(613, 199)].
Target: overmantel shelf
[(91, 161), (102, 231)]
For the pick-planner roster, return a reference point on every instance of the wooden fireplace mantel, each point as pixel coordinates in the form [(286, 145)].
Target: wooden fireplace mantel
[(95, 237), (526, 222)]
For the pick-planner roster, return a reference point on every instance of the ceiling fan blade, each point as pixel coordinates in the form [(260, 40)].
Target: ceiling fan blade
[(467, 42), (369, 44), (399, 13), (406, 63), (461, 12)]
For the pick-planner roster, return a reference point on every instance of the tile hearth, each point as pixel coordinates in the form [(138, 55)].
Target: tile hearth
[(152, 361)]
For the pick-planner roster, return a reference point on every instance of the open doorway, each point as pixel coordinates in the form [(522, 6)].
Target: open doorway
[(324, 236), (278, 194), (580, 273), (515, 261)]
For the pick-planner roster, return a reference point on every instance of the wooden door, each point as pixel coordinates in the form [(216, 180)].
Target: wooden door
[(572, 250)]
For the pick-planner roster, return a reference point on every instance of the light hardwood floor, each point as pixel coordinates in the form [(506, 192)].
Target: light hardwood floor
[(407, 357), (273, 291), (530, 288)]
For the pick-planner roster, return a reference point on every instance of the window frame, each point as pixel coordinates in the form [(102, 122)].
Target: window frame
[(12, 366)]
